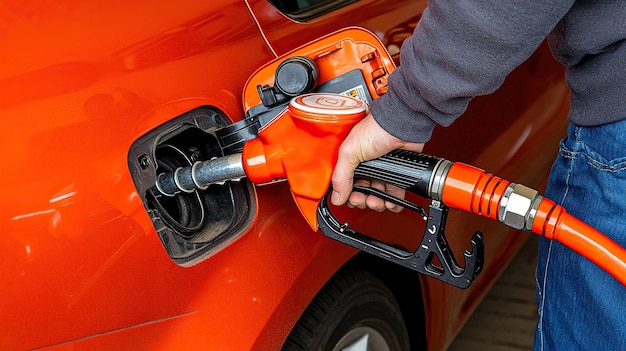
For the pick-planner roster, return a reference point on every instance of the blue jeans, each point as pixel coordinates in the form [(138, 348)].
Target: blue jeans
[(581, 307)]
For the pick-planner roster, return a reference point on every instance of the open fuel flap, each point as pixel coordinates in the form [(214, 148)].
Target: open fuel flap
[(191, 225), (195, 221)]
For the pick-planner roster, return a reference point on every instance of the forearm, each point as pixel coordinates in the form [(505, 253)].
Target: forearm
[(459, 50)]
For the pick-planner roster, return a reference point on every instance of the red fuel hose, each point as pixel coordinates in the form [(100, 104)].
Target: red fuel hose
[(553, 222), (473, 190)]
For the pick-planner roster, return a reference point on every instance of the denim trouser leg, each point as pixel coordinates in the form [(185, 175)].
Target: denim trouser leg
[(581, 307)]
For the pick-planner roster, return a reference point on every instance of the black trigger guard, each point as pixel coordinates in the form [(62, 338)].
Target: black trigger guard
[(434, 244)]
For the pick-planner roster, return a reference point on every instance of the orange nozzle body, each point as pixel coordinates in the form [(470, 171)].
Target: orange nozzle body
[(301, 145)]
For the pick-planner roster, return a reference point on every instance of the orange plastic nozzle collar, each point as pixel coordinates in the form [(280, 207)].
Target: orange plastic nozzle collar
[(301, 144)]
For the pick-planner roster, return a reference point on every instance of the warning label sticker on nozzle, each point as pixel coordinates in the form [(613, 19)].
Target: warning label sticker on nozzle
[(357, 92)]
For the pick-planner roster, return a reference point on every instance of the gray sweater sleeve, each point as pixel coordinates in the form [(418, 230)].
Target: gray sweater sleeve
[(460, 49)]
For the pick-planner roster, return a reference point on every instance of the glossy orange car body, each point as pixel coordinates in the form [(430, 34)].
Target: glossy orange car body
[(82, 266)]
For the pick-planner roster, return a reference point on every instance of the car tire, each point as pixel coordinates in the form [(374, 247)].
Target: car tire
[(354, 311)]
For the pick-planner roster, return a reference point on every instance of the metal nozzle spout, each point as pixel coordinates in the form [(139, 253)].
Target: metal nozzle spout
[(200, 175)]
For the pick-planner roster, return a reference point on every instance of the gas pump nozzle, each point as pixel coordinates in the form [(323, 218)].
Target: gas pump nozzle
[(300, 145)]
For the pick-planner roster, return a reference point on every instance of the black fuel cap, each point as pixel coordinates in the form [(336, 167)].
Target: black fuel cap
[(296, 75)]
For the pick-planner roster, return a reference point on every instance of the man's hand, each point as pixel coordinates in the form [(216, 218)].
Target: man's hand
[(367, 140)]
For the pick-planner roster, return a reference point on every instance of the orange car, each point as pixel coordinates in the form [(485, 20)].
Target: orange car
[(94, 94)]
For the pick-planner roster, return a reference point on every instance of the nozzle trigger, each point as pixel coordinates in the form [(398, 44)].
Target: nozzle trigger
[(434, 243)]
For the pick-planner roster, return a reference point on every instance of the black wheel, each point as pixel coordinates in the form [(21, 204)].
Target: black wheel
[(355, 311)]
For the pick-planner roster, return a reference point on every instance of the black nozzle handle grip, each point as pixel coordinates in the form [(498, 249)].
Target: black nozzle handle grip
[(418, 173)]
